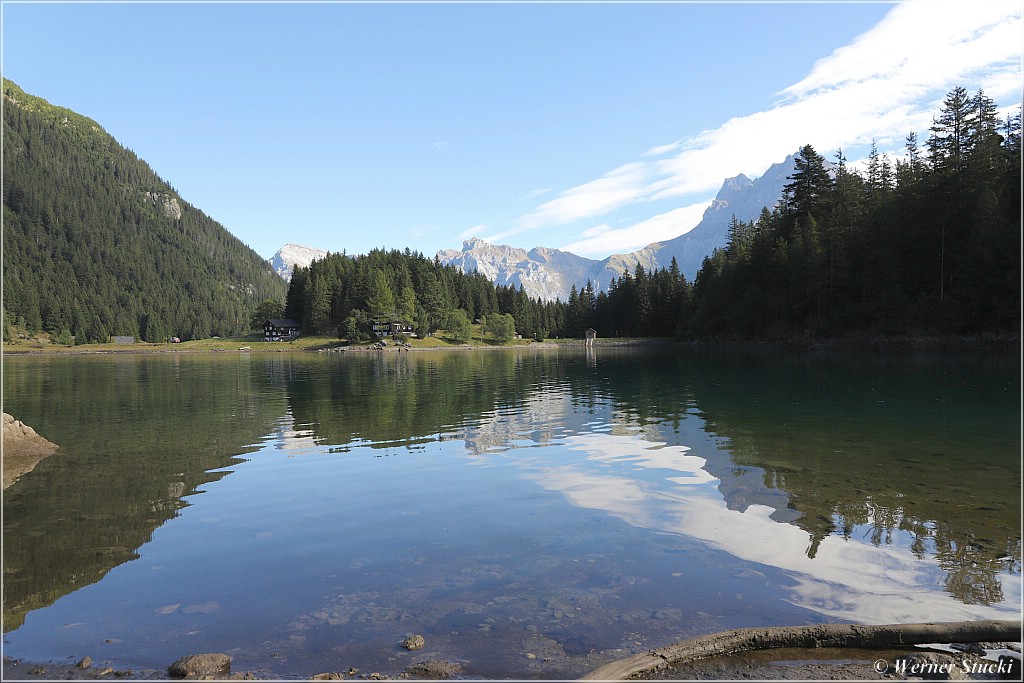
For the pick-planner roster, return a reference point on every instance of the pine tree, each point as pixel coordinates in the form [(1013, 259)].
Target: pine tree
[(407, 304), (380, 301), (319, 304), (950, 133), (809, 190)]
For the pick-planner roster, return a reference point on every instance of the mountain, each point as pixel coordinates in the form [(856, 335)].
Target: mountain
[(739, 196), (550, 273), (544, 273), (96, 244), (291, 255)]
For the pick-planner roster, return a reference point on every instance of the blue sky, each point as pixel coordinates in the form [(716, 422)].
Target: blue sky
[(594, 127)]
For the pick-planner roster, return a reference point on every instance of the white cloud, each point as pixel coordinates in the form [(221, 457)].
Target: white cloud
[(475, 231), (662, 149), (499, 237), (887, 82), (923, 44), (534, 194), (621, 186), (601, 240)]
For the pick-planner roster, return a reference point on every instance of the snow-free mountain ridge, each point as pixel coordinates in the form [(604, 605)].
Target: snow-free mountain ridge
[(544, 273)]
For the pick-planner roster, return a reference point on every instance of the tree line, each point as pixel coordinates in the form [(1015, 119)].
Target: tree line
[(929, 243), (345, 295)]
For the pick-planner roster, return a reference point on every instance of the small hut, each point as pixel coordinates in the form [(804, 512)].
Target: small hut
[(590, 335)]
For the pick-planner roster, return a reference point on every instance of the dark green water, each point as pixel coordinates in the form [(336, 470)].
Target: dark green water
[(531, 513)]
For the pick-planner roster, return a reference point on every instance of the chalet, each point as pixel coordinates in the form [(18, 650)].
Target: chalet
[(390, 325), (280, 330)]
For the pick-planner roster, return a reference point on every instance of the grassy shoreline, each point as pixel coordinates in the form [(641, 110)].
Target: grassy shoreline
[(42, 344), (1002, 344)]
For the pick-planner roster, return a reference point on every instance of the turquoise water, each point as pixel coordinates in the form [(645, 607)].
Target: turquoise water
[(530, 513)]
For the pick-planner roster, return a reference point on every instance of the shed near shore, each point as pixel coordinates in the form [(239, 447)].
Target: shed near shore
[(590, 335)]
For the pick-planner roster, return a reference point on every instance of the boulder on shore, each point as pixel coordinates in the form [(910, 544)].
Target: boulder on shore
[(201, 666), (433, 669), (23, 449)]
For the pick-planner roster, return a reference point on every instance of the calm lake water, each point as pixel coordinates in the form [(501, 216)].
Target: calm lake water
[(530, 513)]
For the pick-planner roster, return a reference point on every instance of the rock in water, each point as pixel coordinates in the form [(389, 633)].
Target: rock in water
[(23, 449), (414, 642), (200, 666)]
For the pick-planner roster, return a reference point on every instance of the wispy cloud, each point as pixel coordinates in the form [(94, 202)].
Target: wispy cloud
[(889, 81), (923, 45), (599, 241), (534, 194), (623, 185), (475, 231)]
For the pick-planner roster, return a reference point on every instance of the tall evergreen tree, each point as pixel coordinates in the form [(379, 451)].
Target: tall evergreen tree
[(808, 192), (380, 300), (950, 137)]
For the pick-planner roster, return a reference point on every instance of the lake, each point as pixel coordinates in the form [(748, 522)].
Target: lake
[(530, 513)]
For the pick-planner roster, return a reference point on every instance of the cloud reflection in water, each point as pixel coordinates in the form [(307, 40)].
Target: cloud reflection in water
[(846, 579)]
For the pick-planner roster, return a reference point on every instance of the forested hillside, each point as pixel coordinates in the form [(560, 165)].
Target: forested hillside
[(96, 244), (928, 244)]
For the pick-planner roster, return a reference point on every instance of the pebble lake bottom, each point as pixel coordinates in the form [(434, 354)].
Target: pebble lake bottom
[(531, 514)]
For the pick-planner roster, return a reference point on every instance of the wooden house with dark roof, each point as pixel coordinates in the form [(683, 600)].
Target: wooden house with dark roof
[(390, 325), (280, 330)]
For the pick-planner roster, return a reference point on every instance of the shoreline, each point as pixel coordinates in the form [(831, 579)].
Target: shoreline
[(962, 661), (1002, 344)]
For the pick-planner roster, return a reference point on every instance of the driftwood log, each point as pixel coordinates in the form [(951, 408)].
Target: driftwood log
[(823, 635)]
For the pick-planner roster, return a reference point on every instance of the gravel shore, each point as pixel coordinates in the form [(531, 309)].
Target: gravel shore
[(824, 664)]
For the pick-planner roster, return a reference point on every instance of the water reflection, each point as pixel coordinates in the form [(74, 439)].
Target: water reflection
[(917, 454), (845, 580), (863, 489), (138, 434), (914, 452)]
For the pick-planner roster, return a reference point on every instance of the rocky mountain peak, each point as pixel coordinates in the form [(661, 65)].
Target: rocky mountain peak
[(291, 255), (735, 184), (473, 243)]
